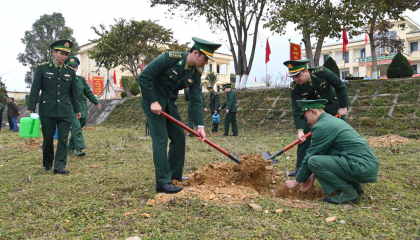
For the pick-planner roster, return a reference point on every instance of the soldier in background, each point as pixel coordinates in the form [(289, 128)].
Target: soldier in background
[(231, 109), (214, 107), (1, 114)]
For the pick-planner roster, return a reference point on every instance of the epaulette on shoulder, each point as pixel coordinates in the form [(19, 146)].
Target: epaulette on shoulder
[(71, 68), (199, 70), (43, 64), (293, 86), (317, 70), (175, 55)]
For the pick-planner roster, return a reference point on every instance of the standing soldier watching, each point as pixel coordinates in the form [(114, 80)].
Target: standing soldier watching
[(77, 142), (59, 92), (214, 107), (312, 84), (231, 110), (160, 83), (1, 114), (11, 127)]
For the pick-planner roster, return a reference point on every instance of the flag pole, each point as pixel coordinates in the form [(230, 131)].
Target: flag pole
[(266, 80), (290, 54)]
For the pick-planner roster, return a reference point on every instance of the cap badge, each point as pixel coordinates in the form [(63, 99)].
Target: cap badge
[(72, 60), (289, 65), (67, 44)]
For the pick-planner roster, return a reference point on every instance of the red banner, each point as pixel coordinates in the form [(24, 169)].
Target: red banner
[(98, 85), (295, 52), (380, 62)]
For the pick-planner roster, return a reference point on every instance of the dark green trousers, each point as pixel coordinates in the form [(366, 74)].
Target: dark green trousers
[(330, 174), (48, 129), (167, 165), (231, 119), (77, 140), (303, 147), (11, 126)]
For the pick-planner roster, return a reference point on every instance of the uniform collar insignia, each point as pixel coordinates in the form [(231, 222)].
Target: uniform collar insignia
[(180, 62)]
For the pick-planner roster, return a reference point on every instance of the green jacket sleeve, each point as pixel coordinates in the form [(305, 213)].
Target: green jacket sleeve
[(216, 101), (146, 78), (322, 138), (196, 100), (339, 86), (35, 88), (89, 94), (204, 102), (224, 104), (74, 93), (297, 111)]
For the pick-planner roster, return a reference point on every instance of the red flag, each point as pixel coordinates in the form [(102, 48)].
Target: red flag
[(366, 38), (345, 39), (142, 67), (115, 78), (255, 78), (267, 52), (269, 77)]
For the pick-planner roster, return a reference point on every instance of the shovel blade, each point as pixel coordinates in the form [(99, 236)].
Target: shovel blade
[(266, 155)]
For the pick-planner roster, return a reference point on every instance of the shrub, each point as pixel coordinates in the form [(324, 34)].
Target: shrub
[(135, 89), (331, 65), (399, 67), (123, 95)]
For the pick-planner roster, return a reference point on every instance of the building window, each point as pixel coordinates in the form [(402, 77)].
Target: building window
[(344, 74), (363, 53), (346, 57), (211, 67), (414, 46), (414, 69), (326, 56), (218, 68)]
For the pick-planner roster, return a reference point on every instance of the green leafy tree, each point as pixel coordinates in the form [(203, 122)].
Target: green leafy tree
[(238, 18), (127, 82), (135, 89), (129, 43), (332, 65), (3, 92), (46, 30), (399, 67), (212, 78), (315, 19), (375, 13)]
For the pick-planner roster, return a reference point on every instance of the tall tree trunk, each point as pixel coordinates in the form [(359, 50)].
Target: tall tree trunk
[(308, 47), (373, 50), (318, 50)]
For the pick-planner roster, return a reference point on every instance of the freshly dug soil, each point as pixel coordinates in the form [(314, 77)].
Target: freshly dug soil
[(230, 183), (387, 141)]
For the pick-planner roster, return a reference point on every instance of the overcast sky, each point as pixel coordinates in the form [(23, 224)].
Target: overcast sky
[(18, 16)]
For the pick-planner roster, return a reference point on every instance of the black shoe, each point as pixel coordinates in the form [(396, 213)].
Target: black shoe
[(224, 135), (80, 153), (361, 192), (294, 172), (47, 169), (212, 131), (182, 179), (61, 171), (168, 188)]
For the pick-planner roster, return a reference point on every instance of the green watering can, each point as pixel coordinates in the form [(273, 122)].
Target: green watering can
[(29, 126)]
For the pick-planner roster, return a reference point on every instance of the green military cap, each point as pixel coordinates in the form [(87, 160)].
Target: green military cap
[(310, 104), (63, 45), (72, 61), (226, 85), (210, 87), (296, 66), (206, 47)]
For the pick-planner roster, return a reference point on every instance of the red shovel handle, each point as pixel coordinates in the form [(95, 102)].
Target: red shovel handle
[(169, 117)]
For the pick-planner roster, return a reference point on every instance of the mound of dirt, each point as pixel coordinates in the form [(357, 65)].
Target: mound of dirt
[(230, 183), (388, 140)]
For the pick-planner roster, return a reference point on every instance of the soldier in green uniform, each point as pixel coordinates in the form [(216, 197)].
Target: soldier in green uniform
[(77, 142), (338, 156), (1, 114), (214, 107), (190, 111), (11, 126), (59, 92), (231, 109), (310, 84), (160, 83)]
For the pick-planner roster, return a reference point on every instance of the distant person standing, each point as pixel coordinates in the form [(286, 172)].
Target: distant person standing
[(1, 114), (77, 141), (14, 113), (231, 109), (214, 107), (58, 84), (11, 127)]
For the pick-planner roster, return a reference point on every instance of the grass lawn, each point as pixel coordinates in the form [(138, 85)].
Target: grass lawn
[(117, 177)]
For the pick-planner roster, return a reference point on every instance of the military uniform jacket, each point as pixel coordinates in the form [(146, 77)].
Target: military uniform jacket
[(59, 91), (1, 110), (84, 90), (230, 102), (334, 137), (323, 84), (214, 102), (164, 77)]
